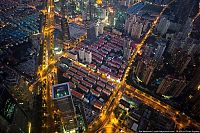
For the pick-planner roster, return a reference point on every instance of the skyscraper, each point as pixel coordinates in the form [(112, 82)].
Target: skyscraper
[(88, 57), (81, 54), (160, 50), (12, 117), (171, 86), (127, 49), (64, 22), (163, 26), (137, 30), (144, 70)]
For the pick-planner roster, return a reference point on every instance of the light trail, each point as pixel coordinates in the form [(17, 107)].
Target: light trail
[(163, 108)]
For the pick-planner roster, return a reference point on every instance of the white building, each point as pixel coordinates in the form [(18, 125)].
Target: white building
[(96, 30), (81, 54), (88, 57)]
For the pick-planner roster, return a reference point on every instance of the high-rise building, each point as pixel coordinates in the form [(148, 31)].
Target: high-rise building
[(172, 46), (160, 49), (64, 22), (12, 117), (148, 73), (127, 49), (187, 28), (88, 57), (191, 46), (100, 28), (144, 70), (171, 86), (148, 50), (137, 30), (81, 54), (185, 64), (163, 26), (62, 98), (134, 26), (90, 25), (180, 60), (96, 30)]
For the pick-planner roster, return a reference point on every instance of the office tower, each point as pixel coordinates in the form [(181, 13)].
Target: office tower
[(81, 54), (12, 117), (171, 86), (160, 50), (64, 22), (144, 70), (62, 98), (88, 57), (183, 10), (163, 26)]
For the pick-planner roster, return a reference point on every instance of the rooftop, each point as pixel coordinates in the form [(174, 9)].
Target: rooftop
[(60, 91)]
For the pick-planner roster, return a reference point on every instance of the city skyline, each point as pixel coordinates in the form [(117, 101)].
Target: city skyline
[(99, 66)]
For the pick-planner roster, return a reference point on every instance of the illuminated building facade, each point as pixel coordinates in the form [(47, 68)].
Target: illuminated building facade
[(63, 100), (12, 117), (171, 86)]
